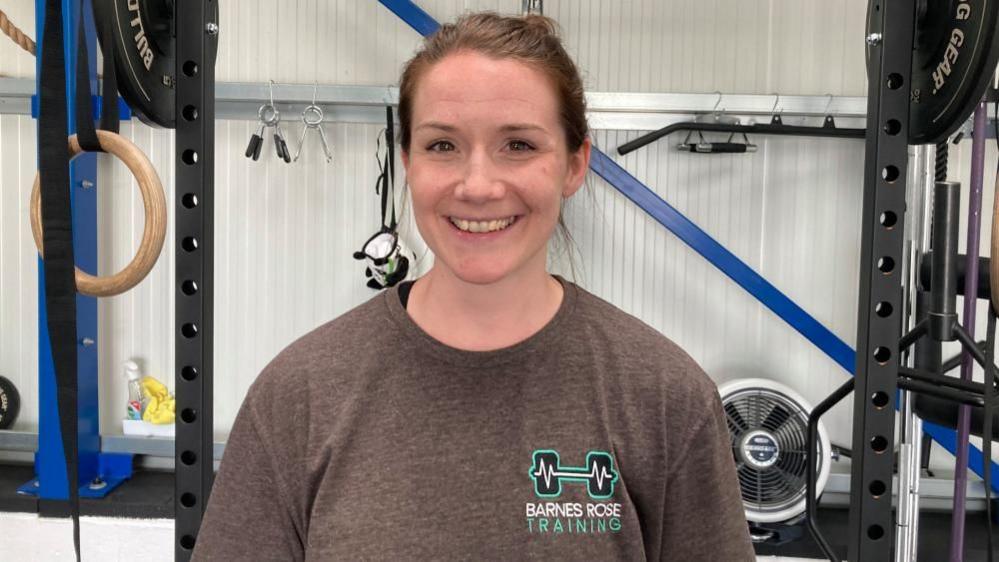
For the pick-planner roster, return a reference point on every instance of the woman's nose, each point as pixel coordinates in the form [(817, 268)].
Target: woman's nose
[(481, 181)]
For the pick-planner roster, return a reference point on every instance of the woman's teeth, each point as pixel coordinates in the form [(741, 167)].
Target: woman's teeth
[(482, 226)]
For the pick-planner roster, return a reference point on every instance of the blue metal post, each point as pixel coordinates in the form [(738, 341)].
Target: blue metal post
[(50, 464)]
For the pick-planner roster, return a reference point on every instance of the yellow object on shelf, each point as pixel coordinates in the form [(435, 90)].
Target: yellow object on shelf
[(160, 407)]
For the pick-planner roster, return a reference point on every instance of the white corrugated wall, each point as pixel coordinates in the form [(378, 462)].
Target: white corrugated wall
[(736, 46), (284, 233)]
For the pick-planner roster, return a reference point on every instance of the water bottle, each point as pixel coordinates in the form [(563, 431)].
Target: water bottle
[(135, 398)]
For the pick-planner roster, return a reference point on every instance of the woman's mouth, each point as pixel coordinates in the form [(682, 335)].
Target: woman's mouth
[(481, 227)]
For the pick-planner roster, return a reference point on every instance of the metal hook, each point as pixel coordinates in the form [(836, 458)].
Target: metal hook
[(828, 105), (268, 113), (532, 6), (773, 110), (315, 88), (715, 108)]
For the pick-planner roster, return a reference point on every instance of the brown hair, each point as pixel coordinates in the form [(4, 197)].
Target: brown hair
[(532, 39)]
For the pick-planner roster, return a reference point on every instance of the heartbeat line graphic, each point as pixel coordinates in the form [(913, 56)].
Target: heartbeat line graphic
[(548, 474), (598, 474)]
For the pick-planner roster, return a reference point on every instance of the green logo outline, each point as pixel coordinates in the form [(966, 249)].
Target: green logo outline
[(575, 473)]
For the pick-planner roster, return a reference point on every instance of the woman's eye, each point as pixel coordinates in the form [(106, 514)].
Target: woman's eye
[(520, 146), (441, 146)]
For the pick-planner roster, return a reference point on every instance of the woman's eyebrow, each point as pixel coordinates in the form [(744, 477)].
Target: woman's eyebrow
[(436, 125), (512, 127)]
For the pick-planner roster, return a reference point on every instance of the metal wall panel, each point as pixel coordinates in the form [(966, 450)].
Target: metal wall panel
[(18, 266), (285, 233), (735, 46), (15, 61), (791, 211), (786, 46)]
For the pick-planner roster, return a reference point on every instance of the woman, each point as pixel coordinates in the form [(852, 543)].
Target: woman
[(489, 410)]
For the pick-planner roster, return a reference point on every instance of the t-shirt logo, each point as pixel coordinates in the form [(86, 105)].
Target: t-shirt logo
[(549, 473), (556, 518)]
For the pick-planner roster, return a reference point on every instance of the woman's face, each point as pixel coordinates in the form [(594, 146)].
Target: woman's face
[(488, 165)]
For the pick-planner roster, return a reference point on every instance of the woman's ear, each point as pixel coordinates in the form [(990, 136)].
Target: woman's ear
[(579, 164)]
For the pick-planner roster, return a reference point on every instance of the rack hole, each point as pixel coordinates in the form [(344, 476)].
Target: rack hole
[(188, 458), (893, 127), (875, 532), (883, 309), (879, 399), (889, 173), (187, 415), (877, 488), (189, 287), (879, 444), (188, 499), (882, 355), (189, 373), (888, 219), (189, 157), (189, 244), (886, 264), (190, 68), (187, 542), (190, 112), (189, 330), (189, 200), (894, 81)]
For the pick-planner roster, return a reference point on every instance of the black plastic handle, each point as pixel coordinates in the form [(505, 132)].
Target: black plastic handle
[(282, 148), (277, 146), (254, 146), (718, 148)]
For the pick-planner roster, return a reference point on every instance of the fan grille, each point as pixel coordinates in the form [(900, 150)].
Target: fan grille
[(760, 411)]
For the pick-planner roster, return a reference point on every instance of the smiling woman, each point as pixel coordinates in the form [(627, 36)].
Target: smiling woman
[(488, 164), (487, 410)]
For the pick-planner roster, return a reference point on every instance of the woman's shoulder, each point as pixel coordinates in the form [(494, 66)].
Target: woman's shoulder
[(642, 354), (327, 351)]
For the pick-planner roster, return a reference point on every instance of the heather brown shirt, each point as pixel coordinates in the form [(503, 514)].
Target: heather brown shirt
[(594, 439)]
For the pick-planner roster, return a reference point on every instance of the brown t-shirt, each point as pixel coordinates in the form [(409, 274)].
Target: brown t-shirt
[(594, 439)]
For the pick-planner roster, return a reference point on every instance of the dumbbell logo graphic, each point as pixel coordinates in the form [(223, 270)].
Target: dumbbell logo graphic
[(598, 474)]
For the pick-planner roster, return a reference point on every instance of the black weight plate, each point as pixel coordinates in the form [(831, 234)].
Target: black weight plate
[(143, 36), (955, 52), (10, 403), (953, 62)]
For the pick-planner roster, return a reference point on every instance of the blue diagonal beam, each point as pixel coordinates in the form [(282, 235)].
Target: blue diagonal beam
[(412, 14), (757, 286), (718, 255), (723, 259)]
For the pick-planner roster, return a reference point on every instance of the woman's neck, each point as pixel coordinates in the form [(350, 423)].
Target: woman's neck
[(483, 317)]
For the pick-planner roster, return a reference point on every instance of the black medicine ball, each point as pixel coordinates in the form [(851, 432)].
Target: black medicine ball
[(10, 403)]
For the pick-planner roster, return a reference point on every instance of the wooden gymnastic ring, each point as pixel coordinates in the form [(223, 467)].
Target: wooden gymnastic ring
[(153, 203)]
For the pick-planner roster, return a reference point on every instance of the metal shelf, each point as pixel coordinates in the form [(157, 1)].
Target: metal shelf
[(606, 110)]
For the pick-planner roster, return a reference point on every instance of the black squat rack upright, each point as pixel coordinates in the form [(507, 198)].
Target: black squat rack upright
[(194, 207)]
